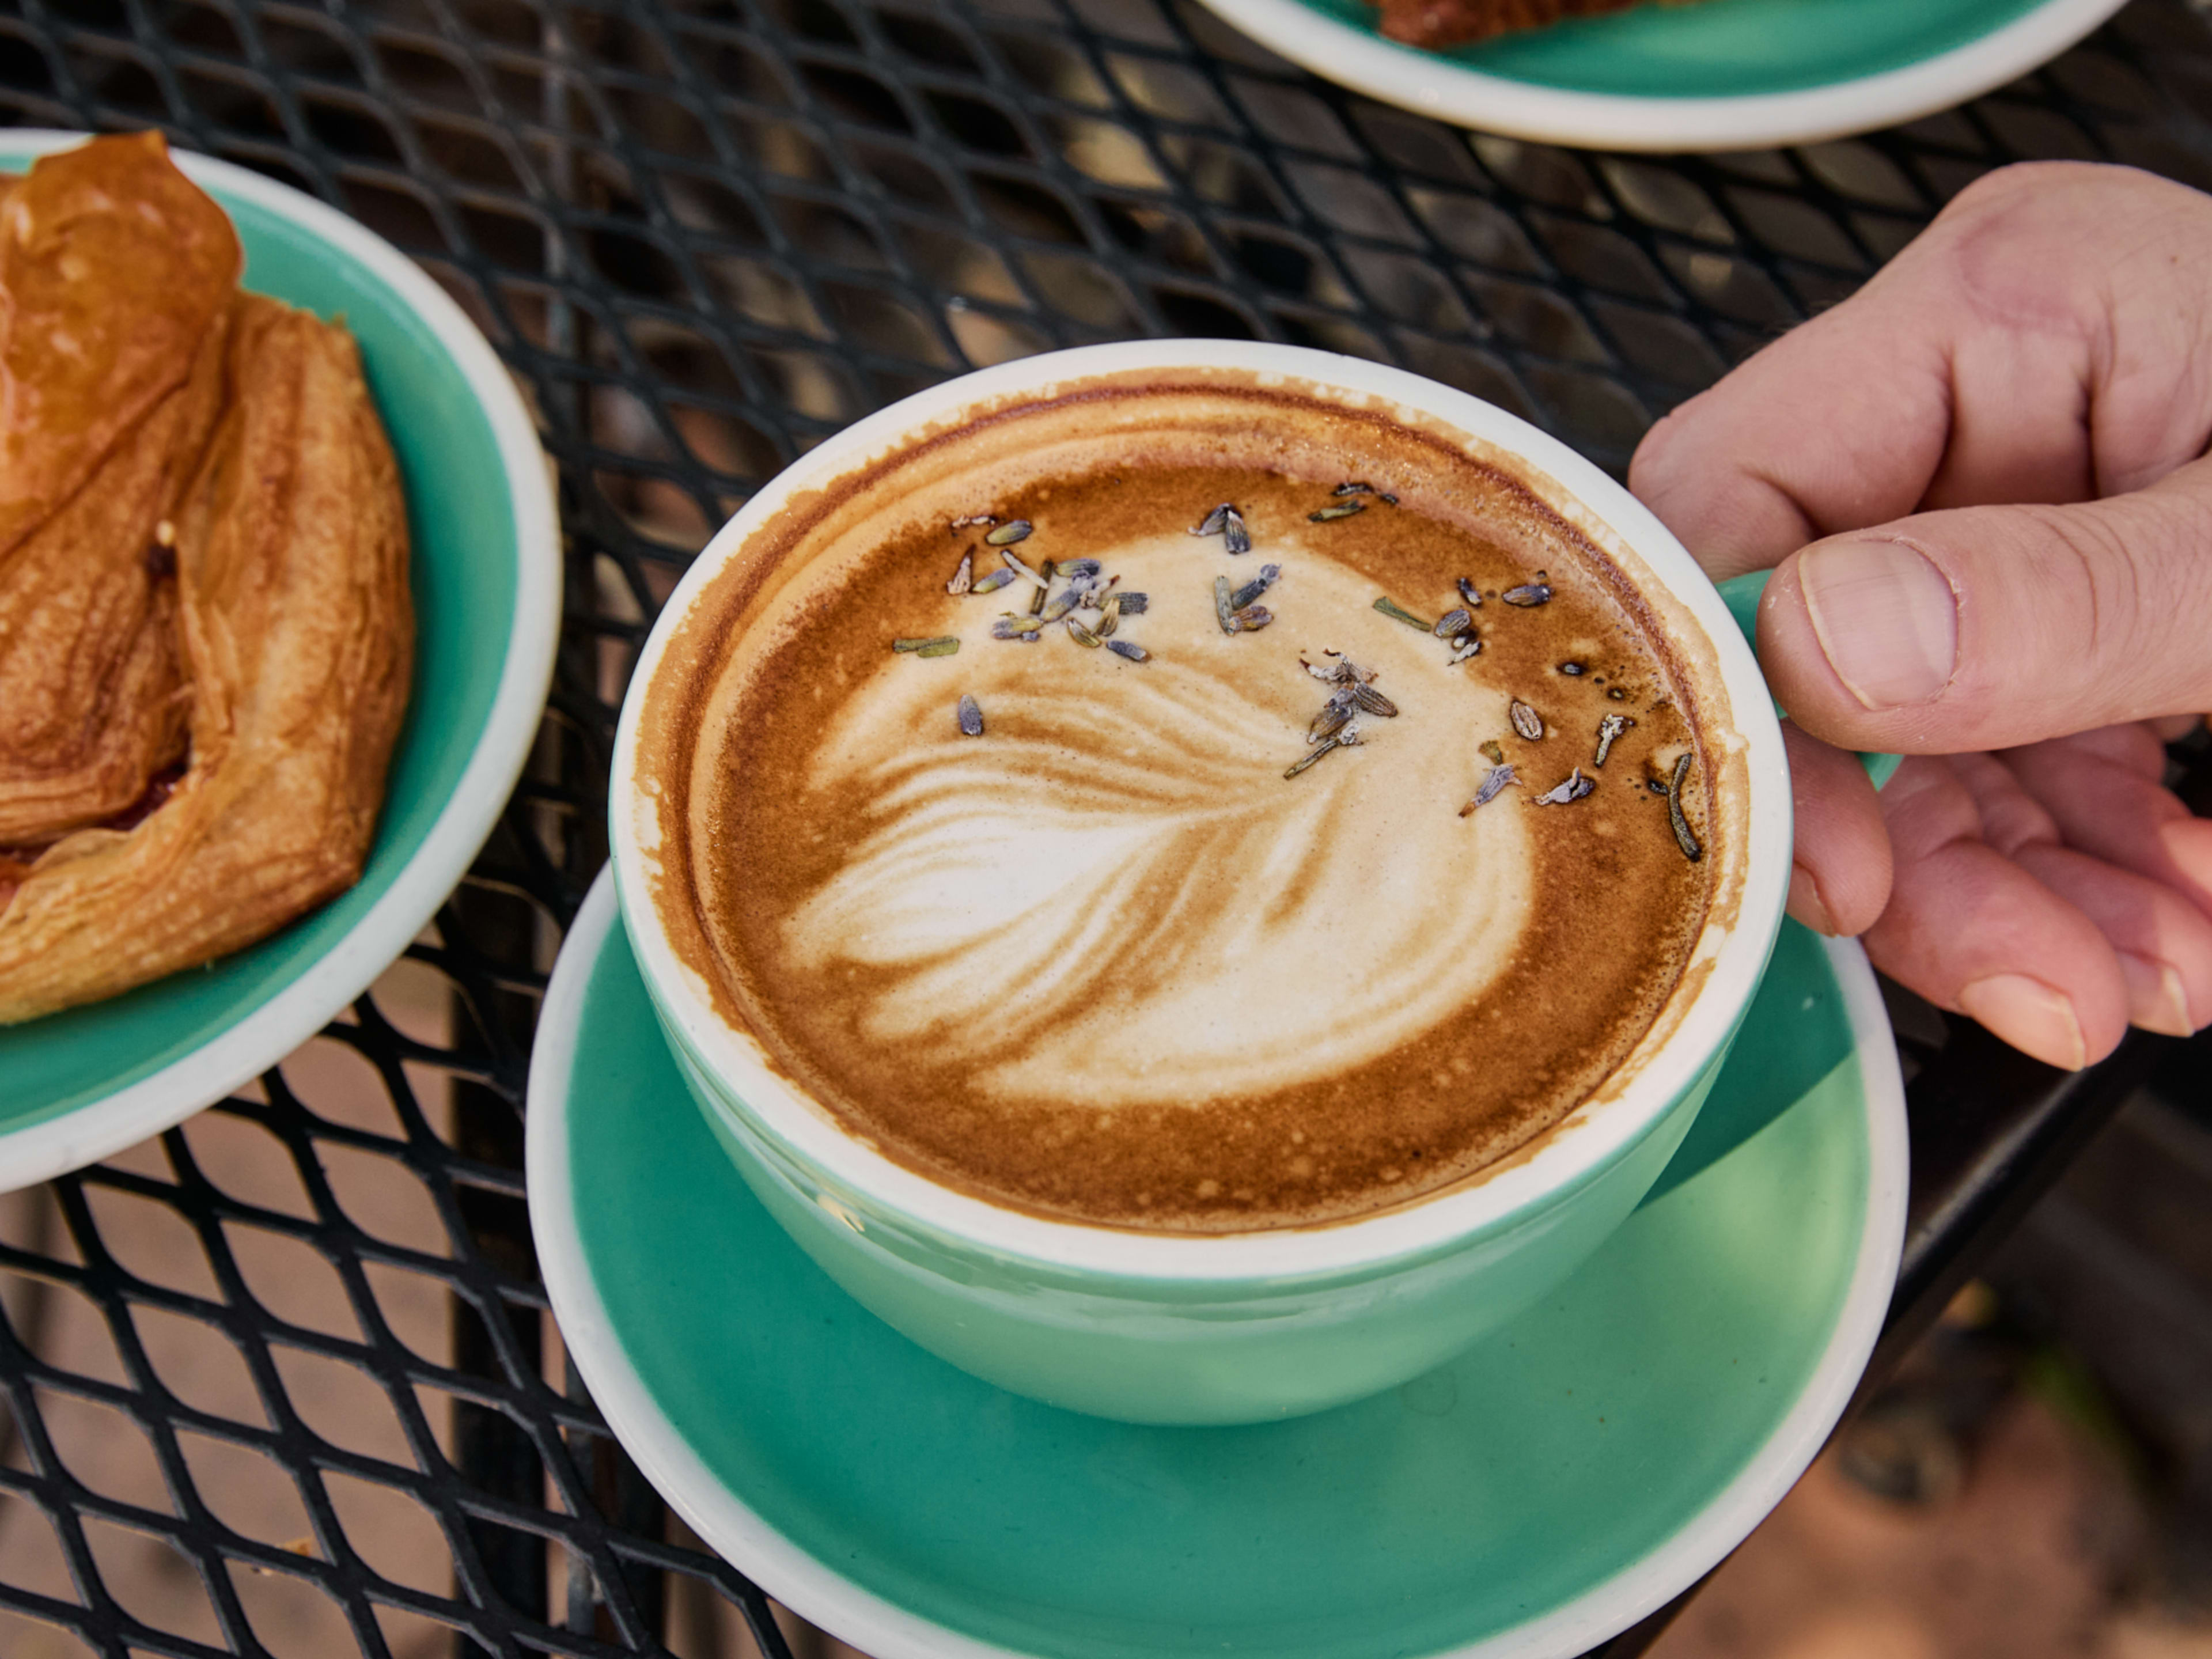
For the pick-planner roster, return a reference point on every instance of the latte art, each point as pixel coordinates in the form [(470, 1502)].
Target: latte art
[(1183, 806), (1118, 899)]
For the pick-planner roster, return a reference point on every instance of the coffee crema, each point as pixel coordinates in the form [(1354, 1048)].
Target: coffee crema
[(1105, 961)]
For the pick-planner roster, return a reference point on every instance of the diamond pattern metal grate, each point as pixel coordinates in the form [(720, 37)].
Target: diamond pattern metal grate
[(286, 1381)]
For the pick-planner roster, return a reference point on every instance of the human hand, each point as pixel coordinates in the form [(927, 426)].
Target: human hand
[(1997, 451)]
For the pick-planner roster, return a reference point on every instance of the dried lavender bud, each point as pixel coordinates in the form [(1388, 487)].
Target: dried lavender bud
[(1334, 716), (971, 713), (1608, 729), (1347, 738), (1342, 671), (1252, 590), (1683, 838), (1493, 780), (1572, 788), (1234, 534)]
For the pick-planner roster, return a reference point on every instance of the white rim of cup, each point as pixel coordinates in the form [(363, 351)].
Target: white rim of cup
[(1444, 89), (1600, 1131), (84, 1134)]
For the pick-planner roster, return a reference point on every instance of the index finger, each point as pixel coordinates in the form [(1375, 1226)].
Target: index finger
[(2035, 344)]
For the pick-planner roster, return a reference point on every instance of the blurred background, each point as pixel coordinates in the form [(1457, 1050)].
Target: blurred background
[(2036, 1480)]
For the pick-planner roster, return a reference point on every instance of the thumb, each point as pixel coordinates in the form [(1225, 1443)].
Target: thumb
[(1989, 627)]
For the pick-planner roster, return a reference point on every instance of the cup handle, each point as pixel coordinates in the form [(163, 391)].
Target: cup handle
[(1741, 594)]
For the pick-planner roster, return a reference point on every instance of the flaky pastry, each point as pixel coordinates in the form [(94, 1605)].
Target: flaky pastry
[(117, 276), (284, 549)]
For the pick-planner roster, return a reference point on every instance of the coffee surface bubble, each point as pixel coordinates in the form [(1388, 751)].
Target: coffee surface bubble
[(1046, 920)]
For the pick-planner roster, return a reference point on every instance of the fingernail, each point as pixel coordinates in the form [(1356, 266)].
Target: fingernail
[(2031, 1016), (1885, 618), (1805, 902), (2156, 1000), (2188, 843)]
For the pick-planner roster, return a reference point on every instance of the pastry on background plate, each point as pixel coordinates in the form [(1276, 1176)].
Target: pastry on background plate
[(1462, 22), (206, 632)]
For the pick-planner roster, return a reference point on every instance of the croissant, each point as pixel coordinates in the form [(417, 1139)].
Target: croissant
[(112, 326), (295, 636), (1459, 23)]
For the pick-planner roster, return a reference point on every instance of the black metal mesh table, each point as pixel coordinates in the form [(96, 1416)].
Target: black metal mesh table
[(703, 234)]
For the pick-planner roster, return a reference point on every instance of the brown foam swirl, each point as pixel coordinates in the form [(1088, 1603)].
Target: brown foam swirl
[(1118, 898), (1104, 962)]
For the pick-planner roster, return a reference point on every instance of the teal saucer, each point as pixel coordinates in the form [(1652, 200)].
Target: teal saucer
[(1539, 1493)]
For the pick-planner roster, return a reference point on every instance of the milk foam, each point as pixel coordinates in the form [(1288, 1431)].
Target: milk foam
[(1114, 897), (1103, 962)]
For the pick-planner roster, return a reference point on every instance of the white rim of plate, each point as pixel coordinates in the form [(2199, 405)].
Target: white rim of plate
[(84, 1134), (1437, 87), (827, 1598)]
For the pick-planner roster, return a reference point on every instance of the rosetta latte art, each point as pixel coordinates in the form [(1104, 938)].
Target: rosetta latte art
[(1116, 899)]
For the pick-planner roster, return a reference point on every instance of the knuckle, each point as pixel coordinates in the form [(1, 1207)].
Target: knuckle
[(2034, 189), (2019, 246), (2124, 586), (1925, 808), (1655, 465)]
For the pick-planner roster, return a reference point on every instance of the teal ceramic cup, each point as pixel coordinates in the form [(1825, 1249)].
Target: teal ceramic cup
[(1159, 1327)]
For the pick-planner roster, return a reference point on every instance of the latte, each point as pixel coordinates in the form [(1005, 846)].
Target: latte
[(1184, 804)]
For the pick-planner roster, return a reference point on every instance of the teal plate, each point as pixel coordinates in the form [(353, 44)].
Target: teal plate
[(80, 1085), (1536, 1495), (1693, 75)]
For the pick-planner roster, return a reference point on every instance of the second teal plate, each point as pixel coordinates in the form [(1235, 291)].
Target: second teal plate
[(1688, 75)]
